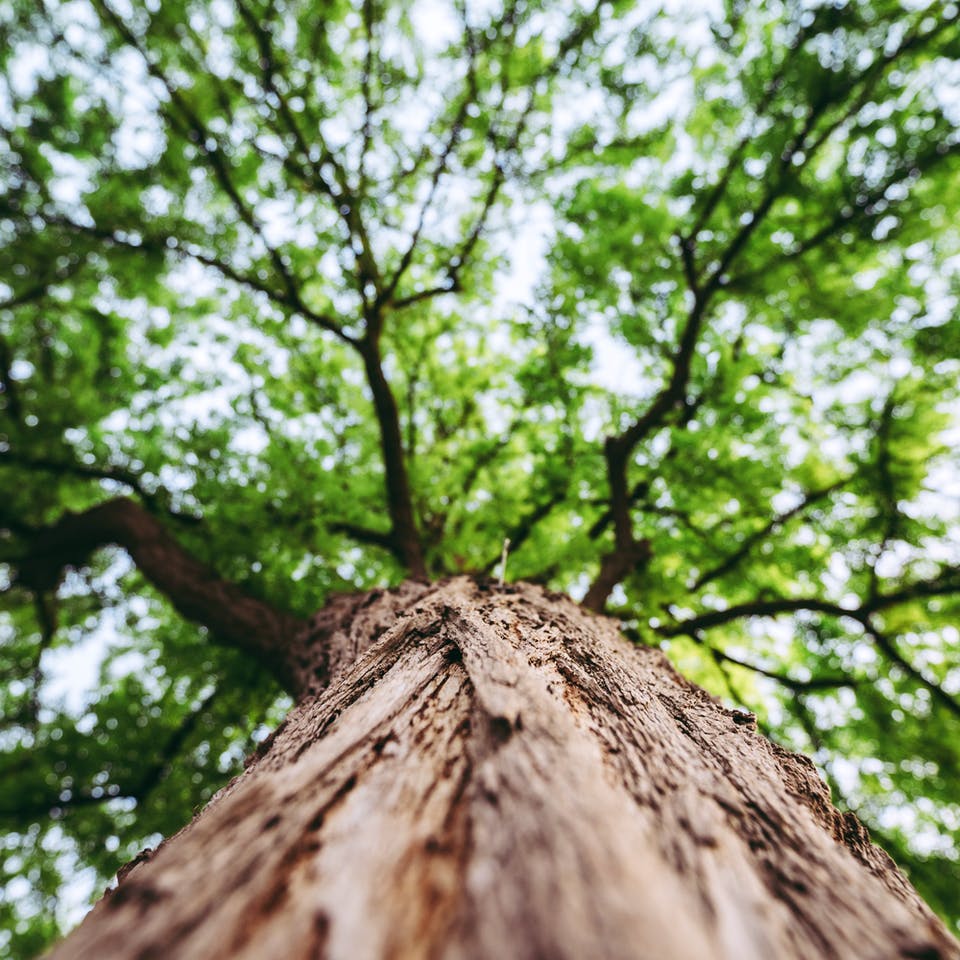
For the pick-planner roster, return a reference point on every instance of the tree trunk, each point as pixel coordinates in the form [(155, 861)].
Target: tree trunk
[(496, 773)]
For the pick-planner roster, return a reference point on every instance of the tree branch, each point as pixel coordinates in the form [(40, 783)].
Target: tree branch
[(138, 789), (439, 169), (361, 534), (170, 245), (889, 648), (947, 583), (580, 33), (618, 448), (814, 683), (196, 592), (735, 159), (757, 608), (404, 534), (731, 561), (628, 553), (194, 129), (111, 472)]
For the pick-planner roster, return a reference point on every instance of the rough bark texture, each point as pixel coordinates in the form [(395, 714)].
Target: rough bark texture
[(495, 773)]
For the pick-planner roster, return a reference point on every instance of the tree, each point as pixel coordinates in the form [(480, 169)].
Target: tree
[(655, 308)]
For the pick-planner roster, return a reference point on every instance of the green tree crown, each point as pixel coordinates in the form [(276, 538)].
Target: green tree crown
[(349, 290)]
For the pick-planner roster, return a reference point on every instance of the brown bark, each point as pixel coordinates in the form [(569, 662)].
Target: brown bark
[(497, 773)]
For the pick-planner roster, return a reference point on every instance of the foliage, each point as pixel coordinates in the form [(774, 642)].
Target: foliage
[(349, 289)]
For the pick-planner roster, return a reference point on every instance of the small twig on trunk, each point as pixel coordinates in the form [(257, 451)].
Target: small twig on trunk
[(503, 559)]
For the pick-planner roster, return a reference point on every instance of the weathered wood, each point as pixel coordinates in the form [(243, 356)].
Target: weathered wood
[(500, 775)]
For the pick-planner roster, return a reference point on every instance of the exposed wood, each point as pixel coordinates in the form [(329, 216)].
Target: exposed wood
[(498, 773)]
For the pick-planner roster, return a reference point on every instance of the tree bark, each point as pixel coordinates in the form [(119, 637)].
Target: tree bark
[(496, 773)]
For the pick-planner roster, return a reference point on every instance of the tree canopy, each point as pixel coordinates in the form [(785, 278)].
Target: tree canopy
[(341, 292)]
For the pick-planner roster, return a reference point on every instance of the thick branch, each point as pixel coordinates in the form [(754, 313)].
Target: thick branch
[(613, 568), (757, 608), (196, 592), (628, 553), (404, 534)]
